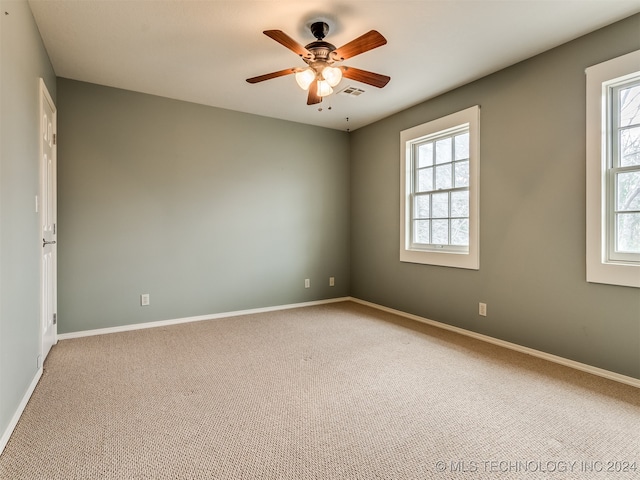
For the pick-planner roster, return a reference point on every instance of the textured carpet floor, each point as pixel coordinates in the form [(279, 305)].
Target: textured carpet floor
[(339, 391)]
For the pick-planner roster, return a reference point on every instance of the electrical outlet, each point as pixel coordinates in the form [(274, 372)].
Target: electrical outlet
[(482, 309), (307, 283), (332, 281), (144, 300)]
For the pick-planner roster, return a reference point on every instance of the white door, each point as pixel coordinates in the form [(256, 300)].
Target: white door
[(48, 271)]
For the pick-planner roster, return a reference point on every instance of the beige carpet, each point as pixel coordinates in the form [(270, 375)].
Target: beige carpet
[(339, 391)]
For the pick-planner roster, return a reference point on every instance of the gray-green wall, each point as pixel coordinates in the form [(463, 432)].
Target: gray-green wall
[(532, 214), (205, 209), (23, 61)]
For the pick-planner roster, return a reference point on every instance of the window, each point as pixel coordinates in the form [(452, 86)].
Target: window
[(613, 171), (439, 191), (624, 172)]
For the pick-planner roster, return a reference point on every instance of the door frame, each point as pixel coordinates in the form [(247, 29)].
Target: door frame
[(44, 96)]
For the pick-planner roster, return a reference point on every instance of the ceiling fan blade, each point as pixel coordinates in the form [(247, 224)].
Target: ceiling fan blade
[(269, 76), (364, 76), (364, 43), (313, 97), (284, 39)]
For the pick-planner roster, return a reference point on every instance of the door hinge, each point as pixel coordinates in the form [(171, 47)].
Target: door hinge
[(55, 318), (54, 228), (55, 139)]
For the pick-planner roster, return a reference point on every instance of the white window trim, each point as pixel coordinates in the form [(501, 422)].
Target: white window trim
[(599, 77), (470, 259)]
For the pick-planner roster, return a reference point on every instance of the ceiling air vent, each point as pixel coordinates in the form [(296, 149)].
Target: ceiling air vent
[(352, 91)]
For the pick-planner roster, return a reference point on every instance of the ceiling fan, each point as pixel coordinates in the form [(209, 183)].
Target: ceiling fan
[(321, 75)]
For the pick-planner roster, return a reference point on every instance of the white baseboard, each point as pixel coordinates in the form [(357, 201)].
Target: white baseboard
[(634, 382), (213, 316), (16, 416)]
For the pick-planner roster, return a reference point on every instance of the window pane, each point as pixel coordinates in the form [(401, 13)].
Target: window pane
[(443, 176), (425, 154), (460, 204), (462, 174), (440, 232), (460, 232), (630, 106), (628, 232), (422, 206), (443, 150), (461, 146), (425, 180), (628, 191), (421, 231), (440, 205), (630, 147)]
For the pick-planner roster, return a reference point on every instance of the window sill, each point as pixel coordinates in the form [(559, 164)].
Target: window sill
[(441, 258)]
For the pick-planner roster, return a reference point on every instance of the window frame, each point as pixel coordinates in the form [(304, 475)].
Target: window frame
[(614, 169), (448, 256), (604, 266)]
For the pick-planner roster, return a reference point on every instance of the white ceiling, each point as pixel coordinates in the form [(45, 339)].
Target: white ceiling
[(202, 51)]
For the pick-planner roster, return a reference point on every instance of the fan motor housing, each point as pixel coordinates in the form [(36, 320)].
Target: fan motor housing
[(321, 50)]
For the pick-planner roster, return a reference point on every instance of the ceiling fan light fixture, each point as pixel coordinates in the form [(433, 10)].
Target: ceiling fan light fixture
[(332, 75), (305, 77), (320, 76), (324, 88)]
